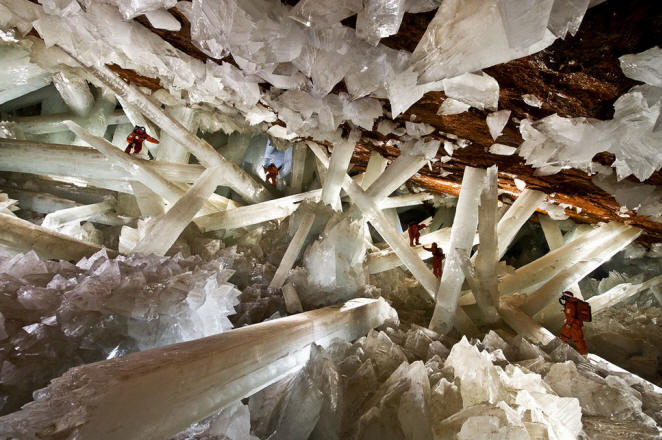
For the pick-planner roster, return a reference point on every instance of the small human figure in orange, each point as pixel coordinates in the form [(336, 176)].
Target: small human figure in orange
[(437, 258), (136, 139), (271, 173), (576, 313), (414, 232)]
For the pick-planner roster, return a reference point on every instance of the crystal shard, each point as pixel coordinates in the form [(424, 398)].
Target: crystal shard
[(480, 91)]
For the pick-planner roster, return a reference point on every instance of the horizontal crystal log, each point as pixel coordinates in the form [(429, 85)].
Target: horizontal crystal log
[(22, 236), (154, 394), (45, 203), (56, 123), (73, 161)]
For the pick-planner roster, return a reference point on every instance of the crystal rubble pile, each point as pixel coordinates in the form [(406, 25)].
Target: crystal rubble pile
[(56, 315), (412, 383)]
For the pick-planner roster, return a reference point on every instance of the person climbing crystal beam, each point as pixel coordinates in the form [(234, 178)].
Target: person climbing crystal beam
[(437, 258), (136, 139), (271, 172)]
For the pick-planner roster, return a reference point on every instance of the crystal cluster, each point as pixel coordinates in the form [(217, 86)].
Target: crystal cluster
[(56, 315), (403, 384)]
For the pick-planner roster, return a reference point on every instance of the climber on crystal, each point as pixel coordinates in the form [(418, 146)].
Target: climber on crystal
[(136, 139), (437, 257), (414, 232), (271, 173), (576, 313)]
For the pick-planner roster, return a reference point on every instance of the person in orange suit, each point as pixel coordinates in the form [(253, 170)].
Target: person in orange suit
[(414, 233), (136, 139), (576, 313), (271, 173), (437, 258)]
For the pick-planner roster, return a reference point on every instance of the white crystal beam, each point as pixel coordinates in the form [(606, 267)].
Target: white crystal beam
[(133, 167), (342, 154), (154, 394), (404, 200), (523, 323), (555, 240), (376, 166), (518, 214), (292, 251), (298, 167), (169, 149), (487, 295), (45, 203), (55, 123), (383, 226), (400, 170), (87, 163), (552, 289), (462, 237), (75, 92), (23, 236), (257, 213), (77, 214), (619, 293), (549, 265), (163, 231), (149, 203), (236, 178)]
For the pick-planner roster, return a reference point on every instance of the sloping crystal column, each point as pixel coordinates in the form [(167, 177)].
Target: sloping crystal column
[(518, 214), (342, 154), (133, 167), (22, 236), (236, 178), (383, 226), (374, 169), (549, 265), (487, 257), (149, 203), (462, 237), (549, 292), (555, 240), (292, 251), (77, 214), (523, 323), (154, 394), (87, 163), (400, 170), (298, 168), (75, 92), (169, 149), (162, 231), (619, 293)]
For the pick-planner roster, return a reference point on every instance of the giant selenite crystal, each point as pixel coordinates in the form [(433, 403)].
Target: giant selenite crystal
[(466, 36)]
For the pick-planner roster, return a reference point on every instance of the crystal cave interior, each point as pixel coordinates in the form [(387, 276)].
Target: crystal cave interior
[(329, 220)]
